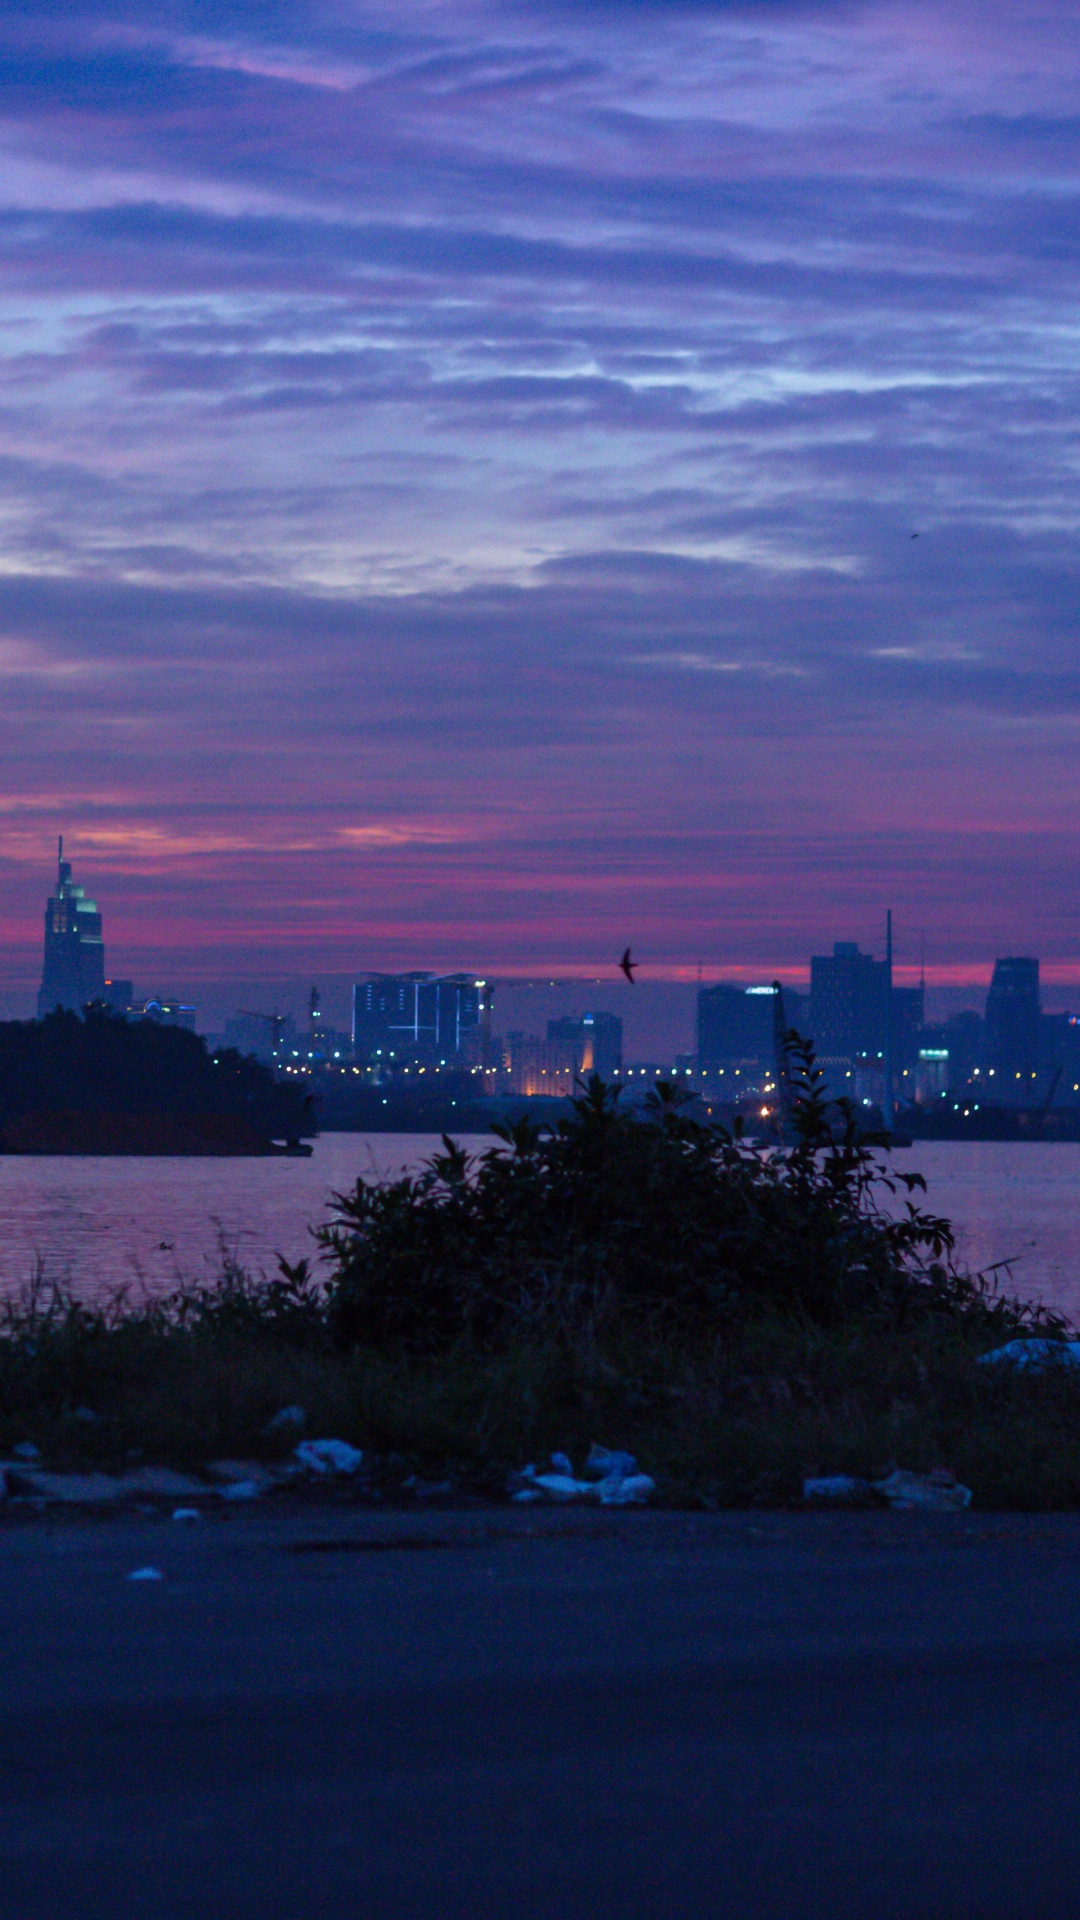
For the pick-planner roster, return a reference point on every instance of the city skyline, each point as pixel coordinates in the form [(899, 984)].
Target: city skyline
[(874, 1040), (657, 1020), (514, 479)]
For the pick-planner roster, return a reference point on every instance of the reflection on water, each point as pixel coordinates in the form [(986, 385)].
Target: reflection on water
[(1010, 1200), (102, 1223), (97, 1224)]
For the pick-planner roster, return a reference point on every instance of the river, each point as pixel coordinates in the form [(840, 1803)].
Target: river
[(148, 1224), (98, 1224)]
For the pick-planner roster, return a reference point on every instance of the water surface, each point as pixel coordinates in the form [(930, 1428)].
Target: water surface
[(97, 1223), (1011, 1200), (147, 1223)]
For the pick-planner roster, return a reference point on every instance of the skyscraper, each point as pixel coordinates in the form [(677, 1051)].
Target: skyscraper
[(1012, 1027), (735, 1033), (74, 970), (436, 1018), (588, 1043), (847, 1003)]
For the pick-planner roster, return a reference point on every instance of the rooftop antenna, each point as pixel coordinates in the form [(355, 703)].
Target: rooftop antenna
[(59, 858)]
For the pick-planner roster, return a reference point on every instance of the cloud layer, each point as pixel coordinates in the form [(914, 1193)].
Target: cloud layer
[(482, 482)]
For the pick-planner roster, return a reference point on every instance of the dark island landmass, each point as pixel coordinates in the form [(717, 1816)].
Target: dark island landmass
[(100, 1084)]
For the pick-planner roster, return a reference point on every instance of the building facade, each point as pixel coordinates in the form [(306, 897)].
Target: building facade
[(1013, 1029), (736, 1046), (848, 1014), (591, 1043), (73, 972), (432, 1019), (847, 1003)]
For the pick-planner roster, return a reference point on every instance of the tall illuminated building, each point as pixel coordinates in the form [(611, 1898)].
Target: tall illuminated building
[(74, 969), (435, 1018)]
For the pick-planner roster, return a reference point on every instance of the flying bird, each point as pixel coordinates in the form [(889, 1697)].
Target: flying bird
[(628, 966)]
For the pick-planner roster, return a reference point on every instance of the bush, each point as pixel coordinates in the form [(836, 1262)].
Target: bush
[(656, 1222)]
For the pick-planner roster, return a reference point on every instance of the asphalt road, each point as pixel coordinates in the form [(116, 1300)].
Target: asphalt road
[(611, 1716)]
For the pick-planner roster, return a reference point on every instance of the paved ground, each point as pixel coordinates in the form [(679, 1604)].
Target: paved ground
[(611, 1716)]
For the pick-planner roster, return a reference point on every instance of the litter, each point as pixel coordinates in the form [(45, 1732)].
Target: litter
[(610, 1476), (604, 1462), (146, 1573), (563, 1486), (837, 1490), (186, 1513), (937, 1492), (1034, 1354), (328, 1456), (289, 1420), (240, 1490), (617, 1479), (626, 1490), (26, 1450), (230, 1473)]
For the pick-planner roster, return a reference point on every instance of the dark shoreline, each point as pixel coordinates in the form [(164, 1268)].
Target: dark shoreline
[(137, 1135)]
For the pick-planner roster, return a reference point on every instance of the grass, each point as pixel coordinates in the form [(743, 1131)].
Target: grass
[(739, 1423)]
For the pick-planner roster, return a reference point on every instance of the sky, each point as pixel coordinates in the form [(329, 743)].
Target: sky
[(485, 482)]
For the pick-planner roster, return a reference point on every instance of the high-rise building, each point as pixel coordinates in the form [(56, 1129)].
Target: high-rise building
[(735, 1036), (532, 1066), (950, 1056), (589, 1043), (847, 1017), (432, 1018), (119, 995), (965, 1038), (1013, 1009), (602, 1053), (908, 1012), (847, 1003), (73, 973)]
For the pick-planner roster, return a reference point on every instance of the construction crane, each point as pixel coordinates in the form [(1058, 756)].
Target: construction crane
[(275, 1021)]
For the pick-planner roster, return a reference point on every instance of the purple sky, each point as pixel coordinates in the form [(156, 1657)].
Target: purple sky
[(460, 464)]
